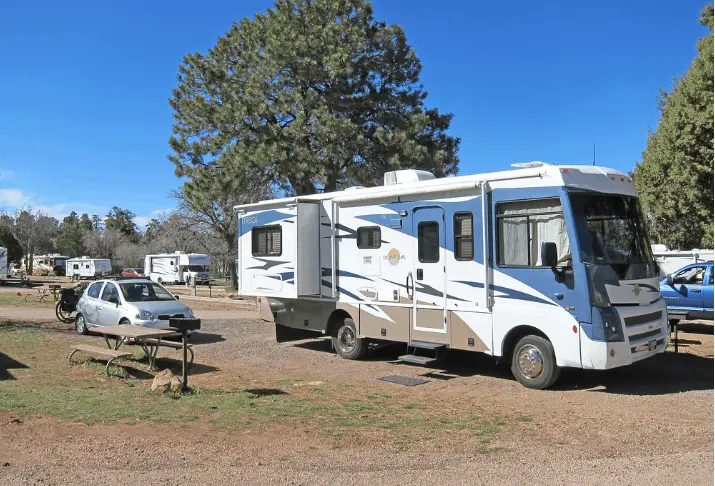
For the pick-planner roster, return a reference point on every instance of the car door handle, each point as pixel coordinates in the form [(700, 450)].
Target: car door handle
[(695, 291)]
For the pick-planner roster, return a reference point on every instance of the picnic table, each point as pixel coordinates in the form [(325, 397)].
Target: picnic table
[(148, 338)]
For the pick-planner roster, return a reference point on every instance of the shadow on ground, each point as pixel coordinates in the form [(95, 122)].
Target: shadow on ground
[(658, 375), (7, 363)]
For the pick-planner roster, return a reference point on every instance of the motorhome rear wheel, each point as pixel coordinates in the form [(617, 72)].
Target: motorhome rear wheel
[(346, 342)]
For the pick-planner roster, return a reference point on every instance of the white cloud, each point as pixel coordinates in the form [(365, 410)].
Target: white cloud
[(14, 198)]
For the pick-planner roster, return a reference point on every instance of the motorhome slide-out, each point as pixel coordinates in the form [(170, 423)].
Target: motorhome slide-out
[(85, 267), (177, 267), (545, 266)]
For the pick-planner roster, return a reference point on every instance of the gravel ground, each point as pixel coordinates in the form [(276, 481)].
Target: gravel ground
[(651, 423)]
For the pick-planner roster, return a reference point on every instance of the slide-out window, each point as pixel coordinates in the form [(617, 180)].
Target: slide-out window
[(463, 236), (369, 238), (266, 241)]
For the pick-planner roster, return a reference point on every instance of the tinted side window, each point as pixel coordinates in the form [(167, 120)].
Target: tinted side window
[(463, 236), (428, 241), (266, 241), (692, 275), (710, 280), (369, 238), (110, 290), (93, 290)]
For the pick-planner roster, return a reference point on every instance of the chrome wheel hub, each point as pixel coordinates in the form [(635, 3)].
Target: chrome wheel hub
[(530, 361), (346, 339)]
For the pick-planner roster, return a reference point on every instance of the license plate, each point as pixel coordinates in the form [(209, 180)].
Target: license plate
[(651, 345)]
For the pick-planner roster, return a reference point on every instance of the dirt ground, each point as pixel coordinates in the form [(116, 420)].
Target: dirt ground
[(650, 423)]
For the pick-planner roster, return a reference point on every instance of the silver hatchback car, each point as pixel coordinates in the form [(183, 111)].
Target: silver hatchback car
[(137, 301)]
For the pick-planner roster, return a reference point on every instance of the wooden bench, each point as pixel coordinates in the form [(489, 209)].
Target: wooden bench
[(112, 354), (172, 345)]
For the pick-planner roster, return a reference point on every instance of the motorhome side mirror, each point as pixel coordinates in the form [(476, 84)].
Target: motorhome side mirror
[(548, 254)]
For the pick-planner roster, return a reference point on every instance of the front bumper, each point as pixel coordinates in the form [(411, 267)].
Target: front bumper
[(646, 333), (155, 324)]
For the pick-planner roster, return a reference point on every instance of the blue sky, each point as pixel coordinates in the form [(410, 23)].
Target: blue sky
[(84, 86)]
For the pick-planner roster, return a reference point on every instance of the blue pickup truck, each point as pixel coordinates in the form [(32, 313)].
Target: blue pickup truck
[(688, 293)]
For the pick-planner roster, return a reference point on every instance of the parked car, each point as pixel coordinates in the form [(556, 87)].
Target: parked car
[(688, 293), (140, 302), (133, 272)]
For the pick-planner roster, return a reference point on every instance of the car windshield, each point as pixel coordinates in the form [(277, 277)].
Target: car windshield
[(197, 268), (144, 292), (611, 230)]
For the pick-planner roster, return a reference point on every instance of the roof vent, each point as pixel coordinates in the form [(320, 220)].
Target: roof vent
[(406, 176), (529, 165)]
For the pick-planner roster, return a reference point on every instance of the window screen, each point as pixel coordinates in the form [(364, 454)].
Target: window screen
[(463, 236), (523, 225), (267, 241), (428, 241), (93, 290), (368, 237)]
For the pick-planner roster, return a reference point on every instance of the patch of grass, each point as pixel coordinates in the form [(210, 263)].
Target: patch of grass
[(83, 394), (14, 300), (524, 418)]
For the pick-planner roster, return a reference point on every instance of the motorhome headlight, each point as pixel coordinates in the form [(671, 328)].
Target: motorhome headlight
[(606, 325), (145, 315)]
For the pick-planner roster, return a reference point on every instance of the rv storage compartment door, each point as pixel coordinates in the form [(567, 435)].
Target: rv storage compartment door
[(308, 273)]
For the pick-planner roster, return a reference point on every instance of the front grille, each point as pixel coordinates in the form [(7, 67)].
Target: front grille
[(642, 319), (644, 335), (166, 317)]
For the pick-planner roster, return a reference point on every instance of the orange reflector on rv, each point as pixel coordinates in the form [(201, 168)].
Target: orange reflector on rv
[(564, 171), (613, 178), (575, 329)]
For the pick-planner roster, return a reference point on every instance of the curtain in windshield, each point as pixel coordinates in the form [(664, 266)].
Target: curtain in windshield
[(524, 225)]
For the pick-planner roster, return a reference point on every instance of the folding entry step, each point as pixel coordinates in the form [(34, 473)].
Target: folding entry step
[(414, 358)]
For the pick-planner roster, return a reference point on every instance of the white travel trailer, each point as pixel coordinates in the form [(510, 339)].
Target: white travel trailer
[(52, 264), (546, 266), (85, 267), (177, 267), (670, 261), (4, 270)]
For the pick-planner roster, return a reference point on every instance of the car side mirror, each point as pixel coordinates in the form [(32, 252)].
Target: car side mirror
[(176, 297), (669, 279), (549, 258), (548, 254)]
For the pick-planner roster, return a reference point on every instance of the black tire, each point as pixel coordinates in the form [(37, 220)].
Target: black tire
[(346, 343), (62, 316), (533, 363), (80, 324), (125, 322)]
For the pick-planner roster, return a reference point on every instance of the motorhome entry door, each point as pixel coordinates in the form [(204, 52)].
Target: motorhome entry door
[(428, 275)]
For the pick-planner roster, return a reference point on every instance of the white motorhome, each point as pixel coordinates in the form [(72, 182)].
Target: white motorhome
[(4, 270), (177, 267), (52, 264), (546, 266), (670, 261), (85, 267)]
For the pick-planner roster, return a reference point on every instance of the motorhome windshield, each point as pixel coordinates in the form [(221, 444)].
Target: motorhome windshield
[(611, 231), (198, 268), (144, 292)]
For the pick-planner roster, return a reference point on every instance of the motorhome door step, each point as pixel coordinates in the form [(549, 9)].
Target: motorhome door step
[(419, 360), (425, 345)]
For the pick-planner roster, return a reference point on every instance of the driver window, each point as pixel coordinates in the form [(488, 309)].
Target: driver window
[(523, 225), (691, 275), (110, 290)]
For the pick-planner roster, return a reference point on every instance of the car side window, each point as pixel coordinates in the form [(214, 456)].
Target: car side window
[(93, 290), (691, 275), (710, 280), (110, 290)]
